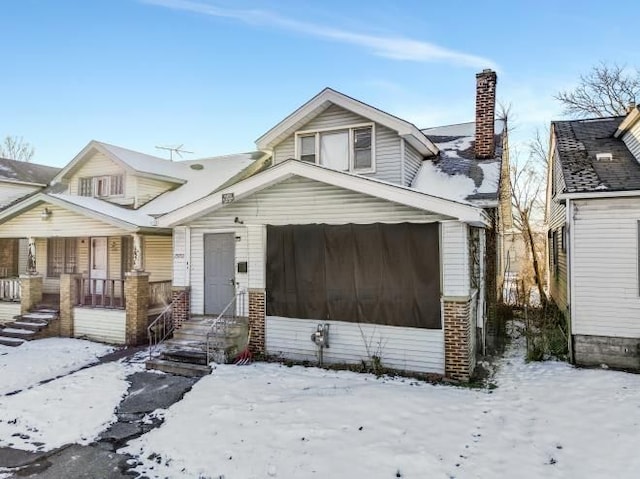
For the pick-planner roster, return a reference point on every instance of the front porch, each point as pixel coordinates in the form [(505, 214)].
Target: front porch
[(90, 280)]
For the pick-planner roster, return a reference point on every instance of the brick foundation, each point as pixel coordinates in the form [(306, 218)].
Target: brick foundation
[(31, 292), (136, 291), (181, 300), (257, 311), (458, 352)]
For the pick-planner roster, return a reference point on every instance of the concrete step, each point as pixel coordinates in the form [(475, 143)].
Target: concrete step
[(31, 326), (6, 341), (189, 336), (184, 343), (37, 316), (181, 369), (185, 355), (17, 333)]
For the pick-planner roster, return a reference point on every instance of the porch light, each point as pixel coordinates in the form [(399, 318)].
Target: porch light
[(46, 214)]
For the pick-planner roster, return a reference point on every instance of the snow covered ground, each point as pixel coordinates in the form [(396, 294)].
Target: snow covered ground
[(265, 420), (74, 408), (34, 361), (71, 409)]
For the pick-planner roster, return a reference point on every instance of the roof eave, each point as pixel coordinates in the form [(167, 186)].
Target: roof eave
[(597, 194), (462, 212), (631, 119)]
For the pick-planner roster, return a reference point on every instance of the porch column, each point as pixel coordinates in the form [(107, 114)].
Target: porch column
[(257, 320), (68, 297), (31, 256), (138, 264), (30, 291), (458, 353), (136, 293)]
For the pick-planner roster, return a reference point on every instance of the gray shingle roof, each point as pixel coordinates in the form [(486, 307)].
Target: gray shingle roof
[(578, 143), (13, 170)]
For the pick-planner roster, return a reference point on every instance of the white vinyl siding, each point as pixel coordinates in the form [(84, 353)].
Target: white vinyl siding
[(100, 165), (158, 257), (411, 349), (63, 222), (181, 258), (632, 140), (104, 325), (303, 201), (8, 310), (605, 267), (455, 259), (147, 189), (386, 149), (556, 220), (412, 163)]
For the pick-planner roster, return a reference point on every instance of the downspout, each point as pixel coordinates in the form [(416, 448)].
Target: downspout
[(569, 259)]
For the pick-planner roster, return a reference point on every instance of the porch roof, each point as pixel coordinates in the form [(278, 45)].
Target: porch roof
[(461, 211), (118, 216)]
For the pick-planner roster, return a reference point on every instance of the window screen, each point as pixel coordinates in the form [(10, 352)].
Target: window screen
[(380, 274), (362, 148)]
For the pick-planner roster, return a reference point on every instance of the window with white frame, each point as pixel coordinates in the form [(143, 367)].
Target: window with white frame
[(101, 186), (61, 256), (343, 149)]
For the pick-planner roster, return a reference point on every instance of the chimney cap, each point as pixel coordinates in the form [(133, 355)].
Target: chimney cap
[(487, 72)]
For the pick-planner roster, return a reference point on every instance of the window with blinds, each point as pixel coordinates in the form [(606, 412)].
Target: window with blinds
[(101, 186)]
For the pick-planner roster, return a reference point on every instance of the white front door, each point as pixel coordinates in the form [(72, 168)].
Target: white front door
[(98, 264)]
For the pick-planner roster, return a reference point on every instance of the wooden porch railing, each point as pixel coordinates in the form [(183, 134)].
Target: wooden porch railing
[(159, 293), (100, 293), (10, 289)]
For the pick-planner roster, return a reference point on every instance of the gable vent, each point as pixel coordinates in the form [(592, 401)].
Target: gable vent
[(604, 156)]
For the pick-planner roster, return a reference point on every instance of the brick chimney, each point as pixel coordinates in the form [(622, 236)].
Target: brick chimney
[(485, 113)]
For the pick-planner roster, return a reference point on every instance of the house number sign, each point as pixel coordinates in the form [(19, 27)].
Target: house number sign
[(227, 198)]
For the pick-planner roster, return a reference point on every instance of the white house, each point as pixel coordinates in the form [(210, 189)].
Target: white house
[(385, 232), (593, 216)]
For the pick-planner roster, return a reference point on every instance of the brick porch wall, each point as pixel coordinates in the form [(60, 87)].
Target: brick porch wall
[(31, 291), (257, 312), (136, 291), (457, 338), (181, 300)]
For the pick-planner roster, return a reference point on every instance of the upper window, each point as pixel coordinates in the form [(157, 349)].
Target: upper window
[(348, 149), (101, 186)]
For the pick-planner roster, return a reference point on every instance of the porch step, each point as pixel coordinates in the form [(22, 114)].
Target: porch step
[(185, 355), (35, 325), (38, 316), (7, 341), (179, 368), (17, 333)]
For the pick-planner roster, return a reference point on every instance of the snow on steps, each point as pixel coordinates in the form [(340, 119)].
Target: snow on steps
[(27, 326)]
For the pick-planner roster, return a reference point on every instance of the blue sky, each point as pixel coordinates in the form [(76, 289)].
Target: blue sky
[(214, 75)]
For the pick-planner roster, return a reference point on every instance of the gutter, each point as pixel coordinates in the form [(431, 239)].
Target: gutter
[(597, 194)]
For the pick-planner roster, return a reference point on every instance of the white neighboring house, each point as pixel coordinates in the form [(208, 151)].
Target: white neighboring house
[(593, 217), (90, 244), (385, 232)]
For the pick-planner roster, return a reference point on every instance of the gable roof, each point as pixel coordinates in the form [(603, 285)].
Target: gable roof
[(326, 98), (14, 171), (127, 219), (287, 169), (456, 173), (579, 141), (135, 162)]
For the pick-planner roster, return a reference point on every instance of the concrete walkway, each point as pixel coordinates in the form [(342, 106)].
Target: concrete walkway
[(147, 393)]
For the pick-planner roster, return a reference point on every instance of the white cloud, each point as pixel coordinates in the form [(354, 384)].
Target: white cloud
[(396, 48)]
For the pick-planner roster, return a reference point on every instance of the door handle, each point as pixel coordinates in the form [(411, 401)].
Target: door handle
[(232, 281)]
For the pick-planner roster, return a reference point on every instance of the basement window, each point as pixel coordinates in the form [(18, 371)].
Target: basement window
[(604, 156)]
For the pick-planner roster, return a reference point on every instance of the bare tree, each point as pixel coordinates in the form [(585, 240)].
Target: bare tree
[(607, 90), (527, 190), (15, 148)]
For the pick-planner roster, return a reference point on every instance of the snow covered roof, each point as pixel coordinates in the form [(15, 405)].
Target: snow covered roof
[(139, 163), (456, 173), (202, 177), (23, 172)]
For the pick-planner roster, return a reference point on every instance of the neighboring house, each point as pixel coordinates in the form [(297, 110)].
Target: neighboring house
[(91, 240), (18, 179), (389, 234), (593, 216)]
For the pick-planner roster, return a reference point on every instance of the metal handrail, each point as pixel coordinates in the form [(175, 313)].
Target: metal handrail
[(239, 293), (162, 327)]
